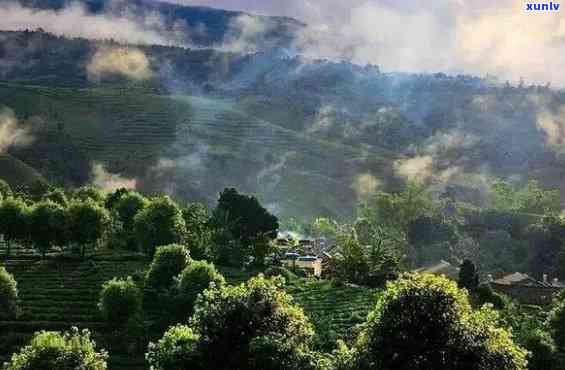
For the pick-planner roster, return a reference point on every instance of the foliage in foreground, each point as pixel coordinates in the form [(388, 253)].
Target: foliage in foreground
[(246, 327), (426, 322), (8, 294), (56, 351), (120, 301)]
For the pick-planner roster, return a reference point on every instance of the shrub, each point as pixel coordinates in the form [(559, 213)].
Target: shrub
[(234, 328), (485, 294), (56, 351), (169, 261), (8, 294), (542, 350), (426, 322), (120, 300), (176, 350), (280, 271), (193, 280)]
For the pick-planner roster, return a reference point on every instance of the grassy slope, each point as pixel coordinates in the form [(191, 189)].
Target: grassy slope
[(16, 172)]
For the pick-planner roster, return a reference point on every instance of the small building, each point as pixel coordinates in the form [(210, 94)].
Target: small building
[(312, 264), (527, 289)]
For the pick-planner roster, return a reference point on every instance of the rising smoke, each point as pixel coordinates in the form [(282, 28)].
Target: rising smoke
[(128, 62), (12, 133)]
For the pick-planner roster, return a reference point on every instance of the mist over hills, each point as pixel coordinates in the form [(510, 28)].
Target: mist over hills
[(309, 137)]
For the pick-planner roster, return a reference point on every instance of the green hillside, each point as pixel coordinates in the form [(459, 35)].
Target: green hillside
[(206, 142)]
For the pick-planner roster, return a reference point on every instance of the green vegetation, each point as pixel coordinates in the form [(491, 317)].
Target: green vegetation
[(426, 322), (8, 295), (53, 350), (253, 326), (120, 300)]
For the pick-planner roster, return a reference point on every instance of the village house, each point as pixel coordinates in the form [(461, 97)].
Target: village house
[(526, 289)]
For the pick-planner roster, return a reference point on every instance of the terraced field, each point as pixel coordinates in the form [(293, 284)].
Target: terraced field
[(334, 309), (56, 295), (211, 142)]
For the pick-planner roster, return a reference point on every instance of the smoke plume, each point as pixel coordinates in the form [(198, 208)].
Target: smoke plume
[(110, 181), (11, 132), (128, 62)]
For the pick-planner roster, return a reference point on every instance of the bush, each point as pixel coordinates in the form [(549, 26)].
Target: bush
[(56, 351), (176, 350), (169, 261), (8, 294), (235, 328), (193, 280), (120, 300), (426, 322), (485, 294), (280, 271), (542, 350)]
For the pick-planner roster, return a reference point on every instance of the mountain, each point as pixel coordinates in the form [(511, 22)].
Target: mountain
[(200, 26), (309, 137)]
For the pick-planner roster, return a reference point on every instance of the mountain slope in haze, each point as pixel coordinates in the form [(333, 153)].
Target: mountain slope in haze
[(308, 136), (199, 26)]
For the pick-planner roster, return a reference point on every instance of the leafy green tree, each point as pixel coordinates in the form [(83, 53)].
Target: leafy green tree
[(557, 322), (48, 222), (8, 295), (247, 218), (120, 301), (426, 322), (468, 277), (398, 210), (5, 190), (114, 197), (56, 351), (193, 280), (542, 350), (14, 220), (126, 208), (56, 196), (198, 230), (247, 324), (89, 192), (87, 223), (168, 262), (160, 223)]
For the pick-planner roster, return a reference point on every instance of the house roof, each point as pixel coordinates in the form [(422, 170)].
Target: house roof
[(518, 278), (440, 268)]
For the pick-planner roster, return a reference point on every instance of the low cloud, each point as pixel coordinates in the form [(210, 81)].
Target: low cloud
[(75, 21), (553, 126), (128, 62), (365, 185), (11, 132), (110, 181), (418, 168)]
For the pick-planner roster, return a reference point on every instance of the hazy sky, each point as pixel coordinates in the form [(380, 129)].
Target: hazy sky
[(470, 36)]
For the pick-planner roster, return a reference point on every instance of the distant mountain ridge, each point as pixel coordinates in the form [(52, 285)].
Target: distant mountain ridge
[(207, 26)]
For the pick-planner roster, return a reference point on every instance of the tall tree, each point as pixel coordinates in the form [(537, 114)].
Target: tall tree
[(87, 224), (14, 219), (160, 223), (247, 220), (48, 222)]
